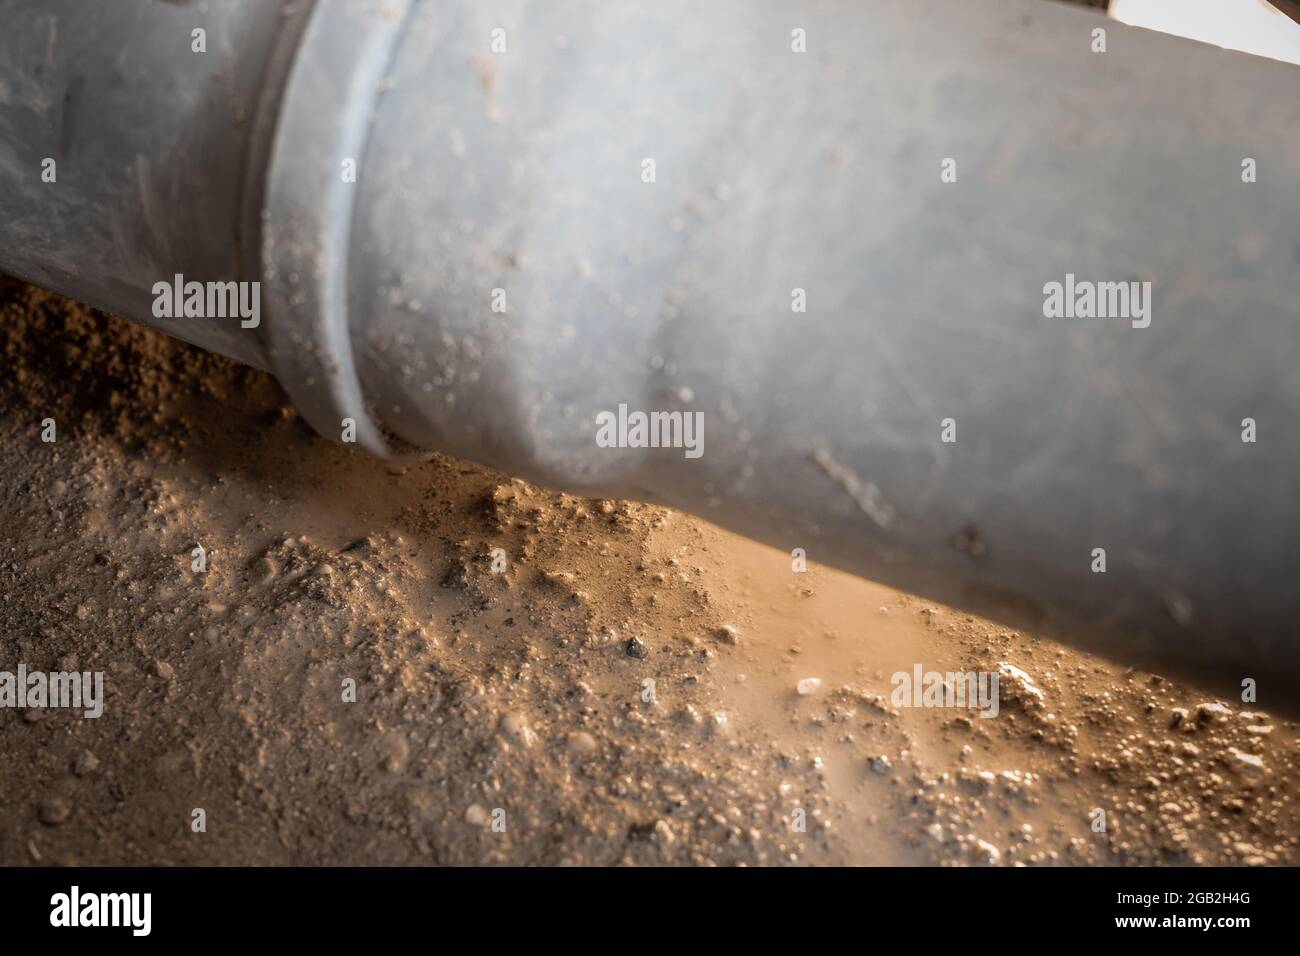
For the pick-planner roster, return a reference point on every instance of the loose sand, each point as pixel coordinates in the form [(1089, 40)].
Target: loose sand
[(505, 717)]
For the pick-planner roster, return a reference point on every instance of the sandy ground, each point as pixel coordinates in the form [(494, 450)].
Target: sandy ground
[(504, 714)]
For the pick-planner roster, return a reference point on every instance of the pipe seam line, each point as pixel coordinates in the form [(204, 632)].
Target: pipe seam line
[(307, 218)]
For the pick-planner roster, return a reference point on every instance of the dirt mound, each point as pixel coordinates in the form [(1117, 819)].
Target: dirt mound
[(341, 661)]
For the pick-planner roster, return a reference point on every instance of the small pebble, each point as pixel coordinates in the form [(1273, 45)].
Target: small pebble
[(55, 810), (87, 763), (1245, 761), (515, 728), (988, 853), (1208, 711), (394, 751), (581, 742)]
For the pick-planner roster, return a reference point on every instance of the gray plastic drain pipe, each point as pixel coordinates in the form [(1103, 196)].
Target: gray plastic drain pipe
[(562, 208)]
